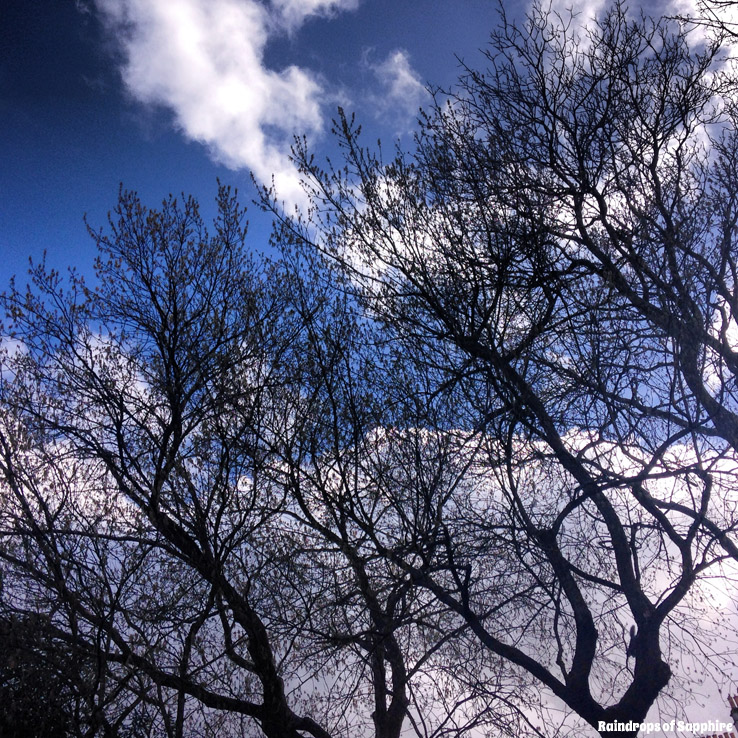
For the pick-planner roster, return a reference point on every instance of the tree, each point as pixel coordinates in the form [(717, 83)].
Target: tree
[(37, 680), (472, 435), (557, 261), (177, 448), (131, 456)]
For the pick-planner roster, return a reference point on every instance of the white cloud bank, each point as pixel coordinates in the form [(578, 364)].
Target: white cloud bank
[(204, 61)]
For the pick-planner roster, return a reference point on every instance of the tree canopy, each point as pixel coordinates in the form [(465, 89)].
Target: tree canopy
[(466, 446)]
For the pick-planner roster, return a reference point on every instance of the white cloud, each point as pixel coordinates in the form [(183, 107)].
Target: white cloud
[(11, 351), (204, 61), (715, 14), (402, 90), (584, 10), (294, 12), (584, 13)]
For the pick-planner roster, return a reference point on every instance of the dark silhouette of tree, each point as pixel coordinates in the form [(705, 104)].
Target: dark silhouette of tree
[(557, 261), (131, 457), (36, 674), (471, 438), (177, 446)]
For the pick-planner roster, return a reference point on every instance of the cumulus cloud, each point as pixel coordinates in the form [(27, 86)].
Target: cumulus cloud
[(204, 61), (402, 90)]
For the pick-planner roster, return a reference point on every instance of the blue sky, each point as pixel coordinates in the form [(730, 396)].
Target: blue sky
[(169, 95)]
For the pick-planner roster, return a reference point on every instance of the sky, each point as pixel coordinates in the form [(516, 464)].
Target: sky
[(165, 96), (168, 96)]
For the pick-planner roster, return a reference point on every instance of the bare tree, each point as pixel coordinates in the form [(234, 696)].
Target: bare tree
[(349, 477), (557, 262), (132, 451), (474, 433), (180, 447)]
